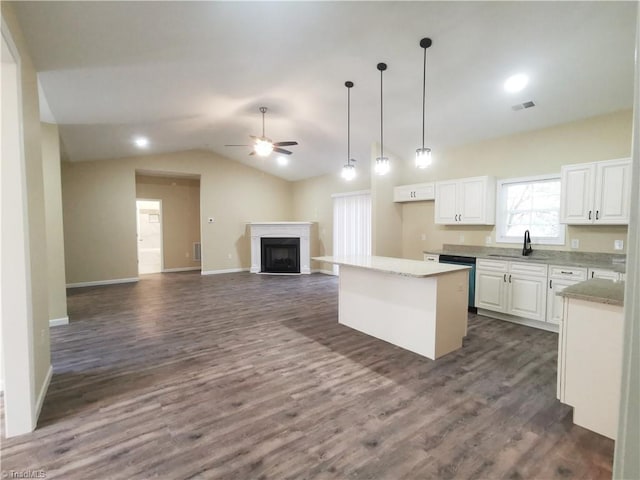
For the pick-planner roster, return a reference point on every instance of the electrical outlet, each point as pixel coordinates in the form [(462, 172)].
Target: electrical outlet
[(229, 256), (487, 240), (461, 240), (618, 244), (423, 236), (575, 243), (211, 220)]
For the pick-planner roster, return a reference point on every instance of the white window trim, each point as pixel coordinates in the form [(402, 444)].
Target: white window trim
[(501, 205)]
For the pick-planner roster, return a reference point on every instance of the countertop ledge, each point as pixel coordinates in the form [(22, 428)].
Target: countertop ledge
[(398, 266), (596, 290), (609, 261)]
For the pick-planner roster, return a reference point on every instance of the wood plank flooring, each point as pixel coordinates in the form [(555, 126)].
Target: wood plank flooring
[(242, 376)]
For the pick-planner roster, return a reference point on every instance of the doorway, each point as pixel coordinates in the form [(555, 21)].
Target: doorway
[(149, 230)]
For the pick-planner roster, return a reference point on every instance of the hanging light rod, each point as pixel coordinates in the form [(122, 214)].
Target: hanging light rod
[(382, 166), (349, 170), (423, 154)]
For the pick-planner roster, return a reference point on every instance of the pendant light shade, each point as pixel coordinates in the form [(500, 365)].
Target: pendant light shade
[(383, 165), (423, 154), (349, 170)]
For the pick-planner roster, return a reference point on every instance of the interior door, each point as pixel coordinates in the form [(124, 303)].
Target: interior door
[(149, 220)]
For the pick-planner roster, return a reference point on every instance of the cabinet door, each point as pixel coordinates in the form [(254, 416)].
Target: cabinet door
[(527, 296), (472, 201), (555, 304), (613, 192), (491, 290), (424, 191), (402, 193), (577, 194), (446, 202)]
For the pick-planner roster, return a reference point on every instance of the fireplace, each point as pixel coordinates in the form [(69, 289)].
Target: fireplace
[(281, 240), (280, 255)]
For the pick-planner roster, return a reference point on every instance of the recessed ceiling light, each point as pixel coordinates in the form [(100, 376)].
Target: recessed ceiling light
[(515, 83), (282, 160), (141, 142)]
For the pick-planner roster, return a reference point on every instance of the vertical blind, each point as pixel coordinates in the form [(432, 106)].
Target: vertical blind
[(351, 224)]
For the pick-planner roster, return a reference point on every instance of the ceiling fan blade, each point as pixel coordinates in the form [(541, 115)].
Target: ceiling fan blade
[(284, 144), (234, 145), (282, 150)]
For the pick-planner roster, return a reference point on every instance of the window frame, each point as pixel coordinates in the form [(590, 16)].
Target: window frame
[(501, 209)]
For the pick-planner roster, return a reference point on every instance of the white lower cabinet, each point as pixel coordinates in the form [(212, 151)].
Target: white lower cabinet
[(560, 277), (514, 288)]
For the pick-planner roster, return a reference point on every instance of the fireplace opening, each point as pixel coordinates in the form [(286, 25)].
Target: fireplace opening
[(280, 255)]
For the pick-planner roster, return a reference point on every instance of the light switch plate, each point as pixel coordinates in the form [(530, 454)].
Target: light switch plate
[(461, 238), (487, 240), (575, 243), (618, 244)]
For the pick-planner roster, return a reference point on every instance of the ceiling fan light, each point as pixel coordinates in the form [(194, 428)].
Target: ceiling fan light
[(423, 157), (349, 172), (263, 148), (383, 166)]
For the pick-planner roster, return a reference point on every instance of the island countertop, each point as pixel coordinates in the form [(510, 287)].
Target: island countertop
[(596, 290), (398, 266)]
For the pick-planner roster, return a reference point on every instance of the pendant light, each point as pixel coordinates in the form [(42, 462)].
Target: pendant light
[(423, 155), (349, 170), (382, 166)]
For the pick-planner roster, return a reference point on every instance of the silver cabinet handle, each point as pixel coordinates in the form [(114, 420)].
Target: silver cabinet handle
[(504, 278), (597, 214), (550, 284), (509, 278), (589, 214), (566, 273)]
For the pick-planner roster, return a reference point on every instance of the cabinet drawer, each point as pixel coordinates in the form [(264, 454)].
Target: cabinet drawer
[(568, 273), (535, 269), (492, 265)]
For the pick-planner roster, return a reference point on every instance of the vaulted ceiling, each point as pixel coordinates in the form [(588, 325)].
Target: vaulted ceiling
[(191, 75)]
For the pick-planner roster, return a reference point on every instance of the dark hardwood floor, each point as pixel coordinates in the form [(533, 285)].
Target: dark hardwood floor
[(244, 376)]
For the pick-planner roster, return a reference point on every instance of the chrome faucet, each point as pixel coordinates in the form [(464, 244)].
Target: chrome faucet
[(526, 248)]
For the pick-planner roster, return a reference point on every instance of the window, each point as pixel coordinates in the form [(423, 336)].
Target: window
[(533, 204), (351, 224)]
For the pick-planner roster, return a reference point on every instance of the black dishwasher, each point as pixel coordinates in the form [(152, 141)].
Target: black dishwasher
[(469, 262)]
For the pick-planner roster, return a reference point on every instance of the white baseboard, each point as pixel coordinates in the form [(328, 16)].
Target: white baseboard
[(550, 327), (180, 269), (227, 270), (54, 322), (102, 282), (43, 392), (326, 272)]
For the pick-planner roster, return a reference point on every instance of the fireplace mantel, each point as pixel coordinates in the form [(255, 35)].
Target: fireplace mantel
[(299, 230)]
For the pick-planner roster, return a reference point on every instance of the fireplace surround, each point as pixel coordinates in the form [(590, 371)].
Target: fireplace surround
[(285, 234)]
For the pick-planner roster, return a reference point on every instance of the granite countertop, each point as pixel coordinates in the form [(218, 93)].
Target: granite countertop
[(596, 290), (551, 257), (399, 266)]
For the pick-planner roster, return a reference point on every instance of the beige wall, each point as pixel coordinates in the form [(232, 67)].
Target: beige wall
[(99, 211), (386, 222), (38, 328), (53, 212), (531, 153), (312, 202), (180, 216)]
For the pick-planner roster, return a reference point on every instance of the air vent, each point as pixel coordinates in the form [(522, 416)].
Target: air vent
[(197, 252), (521, 106)]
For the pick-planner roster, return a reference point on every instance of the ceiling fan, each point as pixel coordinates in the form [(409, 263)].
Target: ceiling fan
[(263, 146)]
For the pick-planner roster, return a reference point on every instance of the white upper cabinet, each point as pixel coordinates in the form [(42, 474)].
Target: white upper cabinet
[(414, 193), (596, 193), (466, 201)]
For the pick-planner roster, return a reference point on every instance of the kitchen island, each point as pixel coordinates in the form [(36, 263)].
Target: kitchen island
[(416, 305)]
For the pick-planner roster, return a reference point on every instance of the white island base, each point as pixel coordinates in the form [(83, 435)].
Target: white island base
[(419, 306)]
